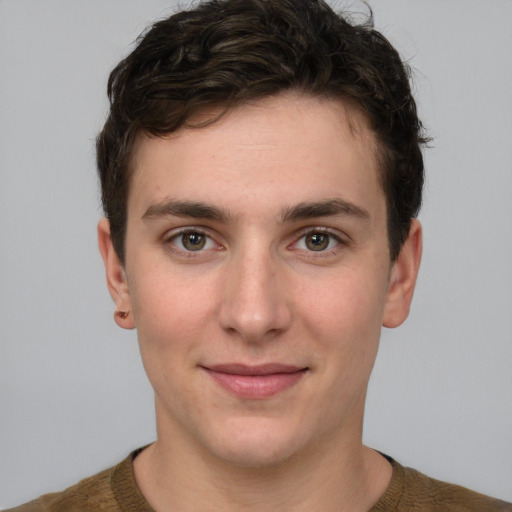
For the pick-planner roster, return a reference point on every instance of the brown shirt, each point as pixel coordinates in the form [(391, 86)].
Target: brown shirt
[(115, 490)]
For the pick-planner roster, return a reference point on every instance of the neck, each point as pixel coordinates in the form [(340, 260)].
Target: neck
[(348, 477)]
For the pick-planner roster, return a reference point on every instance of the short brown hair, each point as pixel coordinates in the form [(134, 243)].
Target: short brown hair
[(227, 52)]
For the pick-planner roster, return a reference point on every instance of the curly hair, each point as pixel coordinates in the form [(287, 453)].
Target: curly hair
[(224, 53)]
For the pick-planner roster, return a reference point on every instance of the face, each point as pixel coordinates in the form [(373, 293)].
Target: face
[(258, 277)]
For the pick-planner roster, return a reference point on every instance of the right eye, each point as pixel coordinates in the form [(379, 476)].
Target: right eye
[(192, 241)]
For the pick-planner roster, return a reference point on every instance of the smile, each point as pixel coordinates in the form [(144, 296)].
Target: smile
[(255, 382)]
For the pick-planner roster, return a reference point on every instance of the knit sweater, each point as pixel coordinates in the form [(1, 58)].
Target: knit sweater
[(115, 490)]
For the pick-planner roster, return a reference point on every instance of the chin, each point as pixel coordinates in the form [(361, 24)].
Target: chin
[(254, 457), (256, 446)]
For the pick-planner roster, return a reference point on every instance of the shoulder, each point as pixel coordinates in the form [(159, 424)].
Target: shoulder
[(31, 506), (413, 491), (92, 494), (448, 497)]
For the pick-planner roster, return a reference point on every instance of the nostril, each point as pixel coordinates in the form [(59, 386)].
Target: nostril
[(253, 305)]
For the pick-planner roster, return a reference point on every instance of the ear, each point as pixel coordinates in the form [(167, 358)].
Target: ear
[(403, 278), (116, 277)]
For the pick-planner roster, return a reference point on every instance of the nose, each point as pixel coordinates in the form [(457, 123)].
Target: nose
[(254, 306)]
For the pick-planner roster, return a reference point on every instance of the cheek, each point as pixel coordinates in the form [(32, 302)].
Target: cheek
[(170, 312), (346, 322), (351, 303), (168, 323)]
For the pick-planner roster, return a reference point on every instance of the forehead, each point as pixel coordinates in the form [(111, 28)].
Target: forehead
[(294, 145)]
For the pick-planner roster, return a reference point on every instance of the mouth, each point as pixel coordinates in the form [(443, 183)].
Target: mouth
[(255, 382)]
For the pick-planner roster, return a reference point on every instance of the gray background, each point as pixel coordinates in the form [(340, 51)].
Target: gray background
[(73, 395)]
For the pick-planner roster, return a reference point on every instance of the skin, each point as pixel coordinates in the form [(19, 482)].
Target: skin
[(260, 291)]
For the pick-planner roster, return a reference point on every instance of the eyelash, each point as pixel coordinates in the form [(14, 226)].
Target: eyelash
[(320, 231), (171, 238)]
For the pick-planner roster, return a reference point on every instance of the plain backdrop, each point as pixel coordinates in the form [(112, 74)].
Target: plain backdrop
[(73, 395)]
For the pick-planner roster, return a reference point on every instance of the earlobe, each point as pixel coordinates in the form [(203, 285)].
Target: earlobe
[(116, 277), (403, 278)]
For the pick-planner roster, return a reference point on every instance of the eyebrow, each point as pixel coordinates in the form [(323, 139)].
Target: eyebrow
[(195, 209), (324, 208), (301, 211)]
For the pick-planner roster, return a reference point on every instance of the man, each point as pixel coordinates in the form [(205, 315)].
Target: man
[(261, 175)]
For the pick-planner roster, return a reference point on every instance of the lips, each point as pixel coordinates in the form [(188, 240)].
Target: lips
[(255, 382)]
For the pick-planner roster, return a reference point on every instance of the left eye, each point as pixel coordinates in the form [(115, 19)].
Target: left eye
[(317, 241), (193, 241)]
